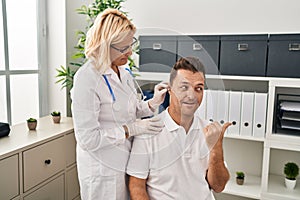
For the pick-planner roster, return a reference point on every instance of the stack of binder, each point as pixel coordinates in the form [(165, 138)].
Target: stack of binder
[(246, 110), (289, 115)]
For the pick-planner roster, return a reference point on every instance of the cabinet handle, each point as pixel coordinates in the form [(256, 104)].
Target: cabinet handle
[(48, 162), (197, 47), (156, 46), (294, 47), (243, 47)]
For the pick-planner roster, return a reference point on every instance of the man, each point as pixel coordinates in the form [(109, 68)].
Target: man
[(185, 161)]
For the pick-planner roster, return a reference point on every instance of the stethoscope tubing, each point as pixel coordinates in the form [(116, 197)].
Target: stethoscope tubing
[(111, 90)]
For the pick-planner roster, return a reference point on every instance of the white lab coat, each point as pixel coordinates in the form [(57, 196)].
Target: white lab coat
[(102, 149)]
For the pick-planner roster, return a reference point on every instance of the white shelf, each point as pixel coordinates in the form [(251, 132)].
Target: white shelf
[(152, 76), (277, 189), (251, 138), (250, 189), (283, 142)]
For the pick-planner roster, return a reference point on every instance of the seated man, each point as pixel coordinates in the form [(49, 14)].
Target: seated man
[(184, 161)]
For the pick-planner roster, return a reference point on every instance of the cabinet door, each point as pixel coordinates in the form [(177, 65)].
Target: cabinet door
[(72, 184), (70, 149), (42, 162), (157, 53), (9, 177), (53, 190), (243, 55), (206, 48)]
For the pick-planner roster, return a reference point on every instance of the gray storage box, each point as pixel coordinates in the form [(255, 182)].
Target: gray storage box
[(206, 48), (243, 55), (157, 53), (284, 55)]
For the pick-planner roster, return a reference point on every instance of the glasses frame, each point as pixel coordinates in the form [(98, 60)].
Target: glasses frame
[(125, 49)]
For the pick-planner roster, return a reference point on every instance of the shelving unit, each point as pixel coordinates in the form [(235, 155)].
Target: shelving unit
[(264, 172)]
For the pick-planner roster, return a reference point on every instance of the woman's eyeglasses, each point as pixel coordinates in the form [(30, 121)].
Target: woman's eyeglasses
[(125, 49)]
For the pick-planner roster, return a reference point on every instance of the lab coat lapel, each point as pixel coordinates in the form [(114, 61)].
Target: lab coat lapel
[(115, 82)]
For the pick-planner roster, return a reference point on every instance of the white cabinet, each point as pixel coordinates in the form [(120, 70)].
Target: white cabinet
[(261, 158), (72, 184), (39, 164), (54, 190), (42, 162), (9, 184)]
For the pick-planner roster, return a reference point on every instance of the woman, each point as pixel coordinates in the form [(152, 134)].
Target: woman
[(105, 108)]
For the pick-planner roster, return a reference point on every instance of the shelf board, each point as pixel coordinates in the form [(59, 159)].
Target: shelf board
[(277, 189), (283, 142), (250, 189), (251, 138)]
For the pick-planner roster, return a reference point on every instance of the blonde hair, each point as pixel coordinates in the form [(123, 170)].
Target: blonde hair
[(110, 27)]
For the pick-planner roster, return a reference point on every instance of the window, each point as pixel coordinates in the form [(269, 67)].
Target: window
[(22, 45)]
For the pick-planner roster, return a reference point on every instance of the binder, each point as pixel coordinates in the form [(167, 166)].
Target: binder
[(247, 113), (222, 106), (234, 114), (211, 105), (259, 115), (201, 111)]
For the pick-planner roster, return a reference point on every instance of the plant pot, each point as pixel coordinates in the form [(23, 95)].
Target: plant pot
[(240, 181), (56, 119), (31, 125), (290, 184)]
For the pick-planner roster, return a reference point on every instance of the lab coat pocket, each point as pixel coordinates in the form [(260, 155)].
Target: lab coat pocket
[(105, 187)]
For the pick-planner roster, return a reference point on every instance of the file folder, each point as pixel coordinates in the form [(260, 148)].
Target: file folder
[(211, 105), (247, 113), (234, 114), (222, 106), (259, 115)]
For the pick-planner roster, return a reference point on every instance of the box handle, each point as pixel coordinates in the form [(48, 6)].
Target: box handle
[(156, 46), (197, 47), (294, 47), (242, 46)]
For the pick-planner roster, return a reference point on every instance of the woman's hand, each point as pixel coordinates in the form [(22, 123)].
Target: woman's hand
[(146, 126), (159, 95)]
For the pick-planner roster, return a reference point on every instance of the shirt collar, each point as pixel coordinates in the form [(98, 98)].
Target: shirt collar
[(171, 125)]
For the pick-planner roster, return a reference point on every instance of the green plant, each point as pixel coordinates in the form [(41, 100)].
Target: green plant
[(240, 175), (55, 113), (31, 120), (65, 74), (291, 170)]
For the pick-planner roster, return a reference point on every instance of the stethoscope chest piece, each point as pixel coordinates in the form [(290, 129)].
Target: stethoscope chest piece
[(116, 106)]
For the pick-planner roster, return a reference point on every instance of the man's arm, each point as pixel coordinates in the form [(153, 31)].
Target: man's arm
[(137, 188), (217, 173)]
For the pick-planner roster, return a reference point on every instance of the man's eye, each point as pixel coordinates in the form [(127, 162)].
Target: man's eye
[(199, 89), (184, 87)]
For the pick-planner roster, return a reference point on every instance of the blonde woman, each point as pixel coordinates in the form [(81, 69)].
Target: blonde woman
[(105, 108)]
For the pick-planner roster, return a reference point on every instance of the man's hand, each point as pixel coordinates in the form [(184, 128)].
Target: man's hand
[(214, 134)]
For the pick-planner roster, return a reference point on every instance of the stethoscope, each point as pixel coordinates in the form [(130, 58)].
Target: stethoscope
[(115, 105)]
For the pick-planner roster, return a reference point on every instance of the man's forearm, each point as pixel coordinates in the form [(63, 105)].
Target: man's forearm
[(137, 188), (217, 174)]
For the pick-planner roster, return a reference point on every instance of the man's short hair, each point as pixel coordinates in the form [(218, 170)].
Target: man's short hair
[(192, 64)]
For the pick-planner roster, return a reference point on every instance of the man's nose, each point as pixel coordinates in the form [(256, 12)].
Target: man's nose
[(190, 93)]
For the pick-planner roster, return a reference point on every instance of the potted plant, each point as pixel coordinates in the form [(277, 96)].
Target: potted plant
[(31, 123), (240, 176), (56, 117), (291, 171)]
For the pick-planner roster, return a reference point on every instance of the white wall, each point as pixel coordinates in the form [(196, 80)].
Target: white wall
[(56, 54), (216, 16), (168, 17)]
